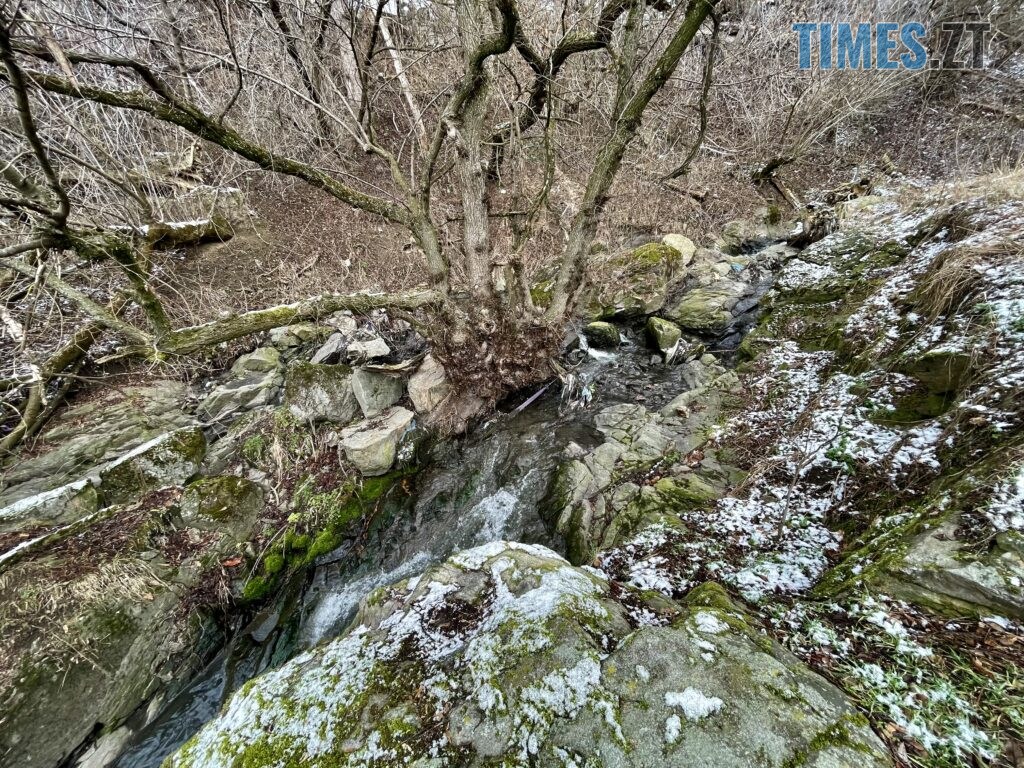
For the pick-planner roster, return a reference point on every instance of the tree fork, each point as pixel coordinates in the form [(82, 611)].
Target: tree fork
[(609, 158)]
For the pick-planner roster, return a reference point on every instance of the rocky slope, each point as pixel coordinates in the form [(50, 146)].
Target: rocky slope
[(857, 483), (814, 558)]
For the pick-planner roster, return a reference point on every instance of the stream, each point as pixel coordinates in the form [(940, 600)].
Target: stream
[(485, 487)]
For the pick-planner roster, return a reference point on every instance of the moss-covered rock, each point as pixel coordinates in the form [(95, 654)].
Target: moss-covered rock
[(632, 284), (707, 310), (296, 335), (224, 503), (941, 572), (169, 460), (663, 334), (255, 380), (602, 335), (942, 371), (506, 655), (101, 429)]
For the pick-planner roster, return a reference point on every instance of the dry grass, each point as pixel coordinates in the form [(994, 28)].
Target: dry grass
[(61, 604), (951, 281), (59, 622)]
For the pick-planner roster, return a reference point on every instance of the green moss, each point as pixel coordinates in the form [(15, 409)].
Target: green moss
[(254, 449), (687, 492), (296, 541), (220, 499), (710, 594), (273, 563), (602, 335), (869, 556), (836, 736), (169, 459), (943, 372), (912, 408), (652, 255), (323, 542), (106, 620), (541, 293), (257, 588)]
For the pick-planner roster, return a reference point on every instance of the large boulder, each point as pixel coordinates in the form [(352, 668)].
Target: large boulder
[(632, 284), (428, 386), (372, 445), (316, 392), (507, 655), (602, 335), (707, 310)]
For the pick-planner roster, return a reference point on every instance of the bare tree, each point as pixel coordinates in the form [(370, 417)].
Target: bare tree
[(393, 112)]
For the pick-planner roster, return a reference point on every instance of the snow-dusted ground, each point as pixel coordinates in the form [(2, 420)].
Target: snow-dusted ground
[(823, 458)]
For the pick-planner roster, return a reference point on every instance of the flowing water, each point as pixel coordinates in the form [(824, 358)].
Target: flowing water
[(485, 487)]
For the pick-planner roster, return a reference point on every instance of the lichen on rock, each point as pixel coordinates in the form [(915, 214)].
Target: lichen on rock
[(506, 654)]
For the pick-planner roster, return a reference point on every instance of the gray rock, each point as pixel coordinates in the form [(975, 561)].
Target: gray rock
[(707, 310), (170, 459), (632, 284), (589, 505), (84, 436), (943, 573), (343, 321), (491, 659), (368, 349), (683, 244), (637, 430), (58, 506), (260, 360), (602, 335), (225, 503), (742, 234), (375, 391), (664, 335), (332, 348), (373, 444), (428, 386), (289, 336), (320, 393), (248, 391)]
